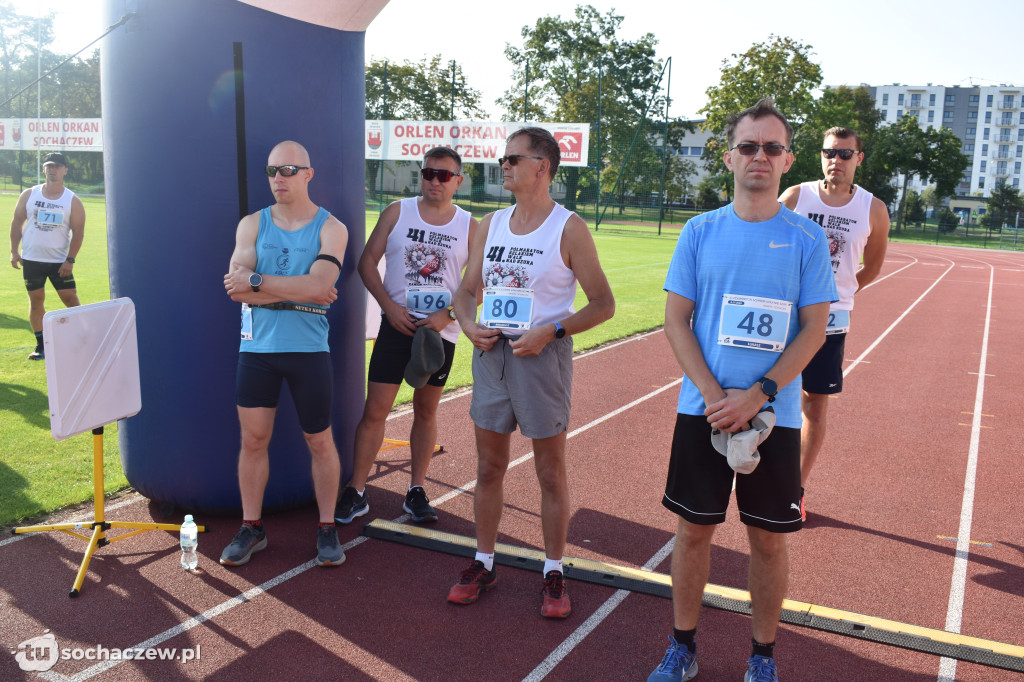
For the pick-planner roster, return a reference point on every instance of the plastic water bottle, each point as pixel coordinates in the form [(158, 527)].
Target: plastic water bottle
[(189, 542)]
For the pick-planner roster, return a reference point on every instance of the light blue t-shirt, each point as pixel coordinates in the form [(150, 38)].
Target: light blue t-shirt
[(287, 253), (784, 258)]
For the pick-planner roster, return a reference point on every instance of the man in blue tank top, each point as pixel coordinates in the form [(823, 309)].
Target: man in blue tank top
[(749, 288), (286, 261)]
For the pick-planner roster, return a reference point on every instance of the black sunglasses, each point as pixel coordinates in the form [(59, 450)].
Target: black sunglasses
[(513, 159), (286, 171), (844, 154), (749, 149), (441, 174)]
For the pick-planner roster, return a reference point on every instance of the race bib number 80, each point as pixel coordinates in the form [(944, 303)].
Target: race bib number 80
[(507, 308), (752, 322)]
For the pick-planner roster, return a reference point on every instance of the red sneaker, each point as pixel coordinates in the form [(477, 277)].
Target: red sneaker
[(556, 599), (474, 580)]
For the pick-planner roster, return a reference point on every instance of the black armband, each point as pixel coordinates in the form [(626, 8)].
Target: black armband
[(328, 257)]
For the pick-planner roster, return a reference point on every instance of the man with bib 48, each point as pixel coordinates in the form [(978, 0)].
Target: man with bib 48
[(425, 243), (749, 287), (525, 264), (856, 224), (286, 261)]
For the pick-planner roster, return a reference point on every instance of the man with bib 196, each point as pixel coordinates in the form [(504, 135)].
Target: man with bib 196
[(524, 266), (749, 287), (857, 224), (425, 243)]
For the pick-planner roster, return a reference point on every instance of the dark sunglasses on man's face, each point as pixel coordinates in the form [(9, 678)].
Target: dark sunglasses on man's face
[(441, 174), (286, 171), (513, 159), (750, 149), (844, 154)]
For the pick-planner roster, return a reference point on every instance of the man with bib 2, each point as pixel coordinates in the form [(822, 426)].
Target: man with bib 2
[(286, 260), (525, 265), (754, 280), (425, 243), (856, 224)]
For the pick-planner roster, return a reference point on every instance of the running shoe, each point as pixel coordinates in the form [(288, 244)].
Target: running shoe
[(474, 580), (556, 598), (351, 505), (247, 540), (417, 504), (679, 664), (761, 669), (37, 354), (328, 549)]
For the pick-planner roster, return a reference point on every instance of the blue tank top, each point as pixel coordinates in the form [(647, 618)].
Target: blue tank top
[(286, 253)]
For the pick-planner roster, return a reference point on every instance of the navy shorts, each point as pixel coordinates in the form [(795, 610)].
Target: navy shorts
[(36, 274), (391, 353), (700, 479), (824, 373), (308, 375)]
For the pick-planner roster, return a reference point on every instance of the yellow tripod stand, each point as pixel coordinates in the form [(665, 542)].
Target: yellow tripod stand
[(99, 525)]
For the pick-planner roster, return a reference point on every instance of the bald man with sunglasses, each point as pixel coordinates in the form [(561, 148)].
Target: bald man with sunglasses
[(857, 224), (424, 242), (286, 261)]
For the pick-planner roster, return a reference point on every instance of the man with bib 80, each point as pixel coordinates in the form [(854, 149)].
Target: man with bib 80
[(856, 224), (755, 280), (525, 264)]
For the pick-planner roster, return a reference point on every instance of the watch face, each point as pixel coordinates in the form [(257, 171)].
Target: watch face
[(255, 279), (769, 387)]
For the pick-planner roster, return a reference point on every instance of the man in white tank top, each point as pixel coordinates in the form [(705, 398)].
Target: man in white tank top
[(857, 224), (49, 224), (425, 244), (527, 257)]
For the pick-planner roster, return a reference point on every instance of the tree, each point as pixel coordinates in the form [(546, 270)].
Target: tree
[(780, 68), (678, 174), (1004, 205), (904, 149), (915, 208), (708, 192), (429, 90), (572, 69), (930, 198)]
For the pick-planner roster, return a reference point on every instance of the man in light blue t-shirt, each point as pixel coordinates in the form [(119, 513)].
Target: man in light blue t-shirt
[(755, 280)]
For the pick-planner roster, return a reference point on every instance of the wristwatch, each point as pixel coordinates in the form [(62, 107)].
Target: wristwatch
[(70, 260), (559, 330), (255, 280), (451, 313), (769, 387)]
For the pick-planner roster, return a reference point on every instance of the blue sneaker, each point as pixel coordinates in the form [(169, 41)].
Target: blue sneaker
[(761, 669), (679, 664)]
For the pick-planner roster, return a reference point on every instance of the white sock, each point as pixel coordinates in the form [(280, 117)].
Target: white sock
[(553, 565), (486, 559)]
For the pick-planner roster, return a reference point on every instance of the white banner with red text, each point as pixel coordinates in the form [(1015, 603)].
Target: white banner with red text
[(475, 141), (51, 134)]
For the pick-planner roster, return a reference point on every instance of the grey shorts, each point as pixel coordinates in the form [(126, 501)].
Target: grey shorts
[(533, 393)]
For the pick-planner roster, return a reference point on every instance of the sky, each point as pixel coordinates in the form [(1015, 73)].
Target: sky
[(879, 42)]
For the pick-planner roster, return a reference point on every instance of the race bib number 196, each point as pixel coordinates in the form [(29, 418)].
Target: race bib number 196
[(507, 308), (752, 322), (427, 299)]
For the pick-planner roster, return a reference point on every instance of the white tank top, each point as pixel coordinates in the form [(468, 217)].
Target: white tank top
[(532, 261), (847, 228), (46, 237), (420, 254)]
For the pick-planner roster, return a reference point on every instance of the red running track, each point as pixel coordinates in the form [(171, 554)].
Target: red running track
[(913, 509)]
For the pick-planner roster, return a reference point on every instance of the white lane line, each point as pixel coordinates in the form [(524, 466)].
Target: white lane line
[(896, 322), (882, 279), (595, 619), (954, 612), (251, 594)]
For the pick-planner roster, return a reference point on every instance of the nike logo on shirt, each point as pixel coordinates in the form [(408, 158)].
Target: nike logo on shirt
[(773, 245)]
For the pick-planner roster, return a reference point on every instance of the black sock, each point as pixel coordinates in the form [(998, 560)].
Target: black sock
[(764, 650), (39, 340), (686, 637)]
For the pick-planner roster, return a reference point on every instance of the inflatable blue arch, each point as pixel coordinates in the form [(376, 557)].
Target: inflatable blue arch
[(195, 94)]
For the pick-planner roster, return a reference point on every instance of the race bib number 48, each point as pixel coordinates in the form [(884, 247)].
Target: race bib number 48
[(507, 308), (752, 322)]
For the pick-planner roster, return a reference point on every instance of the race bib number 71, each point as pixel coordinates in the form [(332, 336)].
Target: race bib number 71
[(752, 322)]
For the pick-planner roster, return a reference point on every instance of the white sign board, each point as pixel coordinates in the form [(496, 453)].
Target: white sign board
[(52, 134), (92, 366), (475, 141)]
